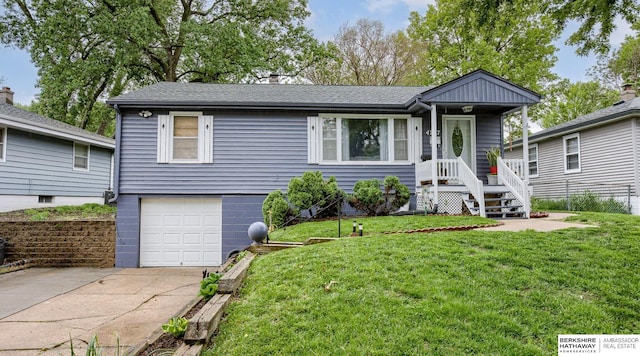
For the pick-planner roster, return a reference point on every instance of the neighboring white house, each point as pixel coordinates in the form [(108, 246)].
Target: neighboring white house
[(600, 151), (45, 162)]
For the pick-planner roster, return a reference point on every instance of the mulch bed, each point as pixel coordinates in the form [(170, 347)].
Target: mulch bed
[(538, 215)]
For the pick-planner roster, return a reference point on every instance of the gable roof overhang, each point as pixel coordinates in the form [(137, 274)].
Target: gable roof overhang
[(478, 88), (54, 129)]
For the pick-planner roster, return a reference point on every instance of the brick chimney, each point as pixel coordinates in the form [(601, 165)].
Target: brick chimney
[(6, 96), (274, 78), (628, 93)]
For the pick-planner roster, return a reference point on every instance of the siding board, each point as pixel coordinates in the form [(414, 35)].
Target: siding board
[(41, 165), (606, 157), (252, 154)]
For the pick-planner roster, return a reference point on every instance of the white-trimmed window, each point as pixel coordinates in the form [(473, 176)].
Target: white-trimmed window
[(363, 139), (571, 145), (3, 144), (533, 160), (81, 153), (185, 137)]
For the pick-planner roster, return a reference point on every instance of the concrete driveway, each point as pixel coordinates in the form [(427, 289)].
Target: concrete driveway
[(42, 308)]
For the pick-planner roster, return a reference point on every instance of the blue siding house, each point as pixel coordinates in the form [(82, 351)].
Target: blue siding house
[(195, 161), (45, 162)]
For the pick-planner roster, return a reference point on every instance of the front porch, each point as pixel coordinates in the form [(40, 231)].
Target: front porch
[(457, 190), (465, 123)]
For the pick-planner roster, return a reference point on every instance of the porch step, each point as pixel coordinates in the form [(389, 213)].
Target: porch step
[(497, 205)]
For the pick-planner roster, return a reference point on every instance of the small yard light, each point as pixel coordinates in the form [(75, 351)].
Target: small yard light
[(361, 228), (354, 226)]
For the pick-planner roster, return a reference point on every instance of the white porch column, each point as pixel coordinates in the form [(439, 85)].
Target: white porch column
[(525, 164), (434, 153), (525, 142)]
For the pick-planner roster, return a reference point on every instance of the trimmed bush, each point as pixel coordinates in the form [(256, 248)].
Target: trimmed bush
[(312, 193), (368, 198), (280, 209)]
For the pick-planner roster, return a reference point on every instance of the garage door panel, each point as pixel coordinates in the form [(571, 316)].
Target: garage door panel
[(211, 239), (181, 232), (192, 239)]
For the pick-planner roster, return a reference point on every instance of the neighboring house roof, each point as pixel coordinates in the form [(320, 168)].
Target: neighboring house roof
[(17, 118), (604, 116), (274, 96), (480, 87)]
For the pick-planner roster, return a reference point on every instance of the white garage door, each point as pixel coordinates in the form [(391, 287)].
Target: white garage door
[(180, 232)]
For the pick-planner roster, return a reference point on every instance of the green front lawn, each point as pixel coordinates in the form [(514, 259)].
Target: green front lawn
[(448, 293), (373, 225)]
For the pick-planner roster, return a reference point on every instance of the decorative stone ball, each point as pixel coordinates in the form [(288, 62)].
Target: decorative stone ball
[(258, 231)]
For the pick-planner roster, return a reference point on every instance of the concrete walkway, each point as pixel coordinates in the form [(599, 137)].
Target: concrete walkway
[(550, 223), (42, 308)]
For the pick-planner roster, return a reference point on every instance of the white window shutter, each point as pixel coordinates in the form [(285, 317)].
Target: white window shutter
[(416, 135), (164, 136), (205, 138), (313, 139)]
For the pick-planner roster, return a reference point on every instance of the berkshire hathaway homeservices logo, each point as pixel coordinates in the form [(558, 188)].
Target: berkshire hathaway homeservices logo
[(602, 345)]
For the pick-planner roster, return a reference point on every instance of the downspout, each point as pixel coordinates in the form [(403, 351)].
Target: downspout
[(434, 156), (636, 157), (116, 171)]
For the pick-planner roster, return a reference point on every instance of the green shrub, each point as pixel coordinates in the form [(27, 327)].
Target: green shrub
[(209, 286), (368, 198), (312, 193), (538, 204), (586, 201), (396, 194), (276, 210), (176, 326)]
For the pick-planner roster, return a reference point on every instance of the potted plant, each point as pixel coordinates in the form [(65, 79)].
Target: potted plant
[(492, 156)]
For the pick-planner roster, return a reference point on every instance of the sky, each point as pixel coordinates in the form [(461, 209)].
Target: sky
[(327, 16)]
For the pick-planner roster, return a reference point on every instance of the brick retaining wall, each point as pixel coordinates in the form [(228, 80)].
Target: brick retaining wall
[(60, 243)]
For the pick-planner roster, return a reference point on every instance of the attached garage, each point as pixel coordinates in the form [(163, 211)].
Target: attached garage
[(180, 232)]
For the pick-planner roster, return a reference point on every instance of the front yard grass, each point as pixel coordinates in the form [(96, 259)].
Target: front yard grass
[(373, 225), (64, 213), (452, 293)]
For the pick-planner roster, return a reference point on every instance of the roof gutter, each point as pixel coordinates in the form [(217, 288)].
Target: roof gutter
[(116, 170), (567, 130), (419, 105)]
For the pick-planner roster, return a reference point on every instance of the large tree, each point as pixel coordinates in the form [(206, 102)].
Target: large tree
[(516, 44), (621, 66), (596, 18), (86, 51), (566, 101), (365, 54)]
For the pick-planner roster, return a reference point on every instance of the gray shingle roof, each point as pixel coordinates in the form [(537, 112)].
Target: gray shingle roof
[(266, 95), (600, 116), (50, 127)]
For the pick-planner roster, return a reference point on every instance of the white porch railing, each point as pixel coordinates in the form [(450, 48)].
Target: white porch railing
[(517, 186), (515, 165), (469, 179), (452, 170), (447, 169)]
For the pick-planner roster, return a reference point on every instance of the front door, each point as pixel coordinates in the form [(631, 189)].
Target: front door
[(459, 139)]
